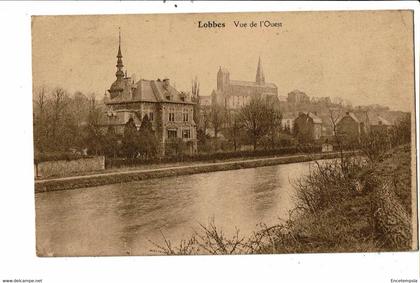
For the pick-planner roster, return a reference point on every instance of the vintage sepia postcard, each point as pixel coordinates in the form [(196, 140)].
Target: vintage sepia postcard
[(224, 133)]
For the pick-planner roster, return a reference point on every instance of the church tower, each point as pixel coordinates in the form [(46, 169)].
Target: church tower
[(222, 79), (260, 73)]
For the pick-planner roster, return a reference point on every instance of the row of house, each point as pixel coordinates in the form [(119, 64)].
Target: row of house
[(351, 126)]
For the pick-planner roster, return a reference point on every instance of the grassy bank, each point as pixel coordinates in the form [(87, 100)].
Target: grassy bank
[(138, 175), (349, 205)]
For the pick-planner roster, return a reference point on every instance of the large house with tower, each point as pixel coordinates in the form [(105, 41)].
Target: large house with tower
[(169, 110)]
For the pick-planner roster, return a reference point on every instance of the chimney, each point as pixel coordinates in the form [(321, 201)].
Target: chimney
[(165, 83), (183, 95)]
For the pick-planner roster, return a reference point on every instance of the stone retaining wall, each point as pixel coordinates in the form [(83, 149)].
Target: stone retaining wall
[(61, 168), (121, 177)]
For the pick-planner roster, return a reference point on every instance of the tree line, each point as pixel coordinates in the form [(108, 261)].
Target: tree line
[(62, 121), (257, 124), (72, 123)]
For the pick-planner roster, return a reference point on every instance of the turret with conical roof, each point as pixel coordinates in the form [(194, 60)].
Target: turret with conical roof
[(260, 73)]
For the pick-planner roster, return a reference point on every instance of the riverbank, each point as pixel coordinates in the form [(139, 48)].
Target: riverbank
[(373, 217), (366, 209), (129, 175)]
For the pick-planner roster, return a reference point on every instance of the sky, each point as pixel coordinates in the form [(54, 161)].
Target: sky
[(365, 57)]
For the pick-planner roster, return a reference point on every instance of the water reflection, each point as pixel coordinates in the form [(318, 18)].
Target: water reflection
[(121, 219)]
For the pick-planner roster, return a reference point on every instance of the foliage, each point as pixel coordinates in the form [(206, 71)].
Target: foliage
[(233, 129), (327, 183), (195, 97), (175, 147), (148, 143), (209, 240), (178, 146), (377, 142), (57, 156), (130, 141), (94, 137), (205, 118), (397, 164), (203, 143), (217, 118), (287, 130), (259, 119), (62, 121), (401, 133), (110, 143), (286, 140)]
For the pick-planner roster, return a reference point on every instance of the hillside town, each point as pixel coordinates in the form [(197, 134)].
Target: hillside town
[(217, 122), (150, 119)]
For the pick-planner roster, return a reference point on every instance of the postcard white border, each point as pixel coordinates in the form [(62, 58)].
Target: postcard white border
[(17, 211)]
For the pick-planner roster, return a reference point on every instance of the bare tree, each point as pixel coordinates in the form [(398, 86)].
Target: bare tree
[(63, 122), (40, 99), (79, 107), (233, 129), (335, 115), (58, 106), (195, 97), (274, 125), (206, 120), (217, 117), (256, 118), (40, 116), (94, 134)]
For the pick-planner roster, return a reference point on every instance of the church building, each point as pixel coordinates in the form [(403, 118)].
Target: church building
[(234, 94), (170, 111)]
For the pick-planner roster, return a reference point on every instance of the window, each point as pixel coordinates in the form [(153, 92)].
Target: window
[(186, 134), (151, 116), (172, 134), (185, 116), (171, 116)]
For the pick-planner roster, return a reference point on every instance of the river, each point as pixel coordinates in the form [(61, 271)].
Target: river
[(121, 219)]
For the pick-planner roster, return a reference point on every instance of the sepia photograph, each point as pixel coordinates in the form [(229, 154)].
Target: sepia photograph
[(224, 133)]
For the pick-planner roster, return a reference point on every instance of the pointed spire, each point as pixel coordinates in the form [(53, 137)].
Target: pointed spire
[(260, 73), (119, 74)]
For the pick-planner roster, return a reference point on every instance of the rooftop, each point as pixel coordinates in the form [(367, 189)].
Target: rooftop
[(253, 84), (150, 91)]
